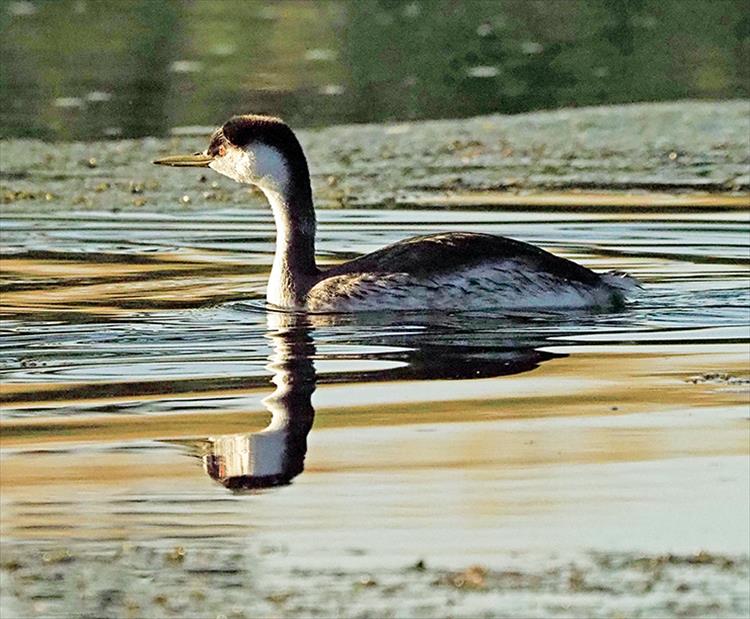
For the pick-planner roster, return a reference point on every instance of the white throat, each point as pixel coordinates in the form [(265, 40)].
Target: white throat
[(281, 290), (267, 168)]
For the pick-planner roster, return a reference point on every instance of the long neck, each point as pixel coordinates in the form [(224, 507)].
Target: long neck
[(294, 269)]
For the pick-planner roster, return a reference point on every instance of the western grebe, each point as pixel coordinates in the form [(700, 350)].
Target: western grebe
[(449, 271)]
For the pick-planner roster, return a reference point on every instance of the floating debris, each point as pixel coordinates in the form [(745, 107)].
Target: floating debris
[(176, 555), (68, 102), (186, 66), (719, 378), (22, 9), (483, 71), (57, 556), (222, 49), (267, 13), (485, 29), (278, 598), (11, 196), (98, 96), (473, 577), (532, 48), (412, 10), (331, 90), (320, 55)]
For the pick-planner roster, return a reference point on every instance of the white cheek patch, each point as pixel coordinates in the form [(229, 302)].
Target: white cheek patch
[(233, 164), (259, 164)]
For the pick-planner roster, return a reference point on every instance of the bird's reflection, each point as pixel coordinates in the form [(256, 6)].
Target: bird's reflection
[(275, 455)]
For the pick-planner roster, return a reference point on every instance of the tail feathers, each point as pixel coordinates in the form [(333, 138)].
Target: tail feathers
[(621, 281)]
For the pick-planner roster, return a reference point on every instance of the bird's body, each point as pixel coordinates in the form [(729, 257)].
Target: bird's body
[(448, 271), (458, 270)]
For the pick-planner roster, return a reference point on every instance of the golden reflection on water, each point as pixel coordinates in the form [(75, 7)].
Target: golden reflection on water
[(641, 203), (37, 286), (593, 406), (554, 389)]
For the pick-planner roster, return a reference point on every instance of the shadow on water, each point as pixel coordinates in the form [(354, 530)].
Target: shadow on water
[(275, 455)]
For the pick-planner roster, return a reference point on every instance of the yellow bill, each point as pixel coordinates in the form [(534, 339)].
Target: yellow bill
[(197, 160)]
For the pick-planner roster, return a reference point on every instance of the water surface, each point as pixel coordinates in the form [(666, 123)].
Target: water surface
[(171, 446)]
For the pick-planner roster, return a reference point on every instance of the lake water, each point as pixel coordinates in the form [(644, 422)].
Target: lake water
[(86, 69), (142, 377)]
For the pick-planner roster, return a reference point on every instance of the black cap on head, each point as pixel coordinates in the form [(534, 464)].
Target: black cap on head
[(240, 131)]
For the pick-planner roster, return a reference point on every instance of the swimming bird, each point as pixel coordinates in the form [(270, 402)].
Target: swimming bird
[(447, 271)]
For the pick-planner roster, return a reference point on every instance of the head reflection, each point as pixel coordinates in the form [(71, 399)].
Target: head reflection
[(276, 454)]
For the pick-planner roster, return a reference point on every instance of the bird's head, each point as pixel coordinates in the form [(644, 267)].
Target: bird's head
[(260, 150)]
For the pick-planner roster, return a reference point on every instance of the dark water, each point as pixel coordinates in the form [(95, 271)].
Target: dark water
[(86, 69)]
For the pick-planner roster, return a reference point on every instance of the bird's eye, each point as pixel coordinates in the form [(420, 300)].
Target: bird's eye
[(222, 150)]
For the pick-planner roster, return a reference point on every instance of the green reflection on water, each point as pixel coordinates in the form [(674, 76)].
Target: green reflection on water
[(83, 69)]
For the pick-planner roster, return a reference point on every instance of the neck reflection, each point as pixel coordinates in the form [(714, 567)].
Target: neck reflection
[(275, 455)]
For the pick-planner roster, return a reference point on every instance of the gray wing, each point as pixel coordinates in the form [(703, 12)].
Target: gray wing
[(453, 251)]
